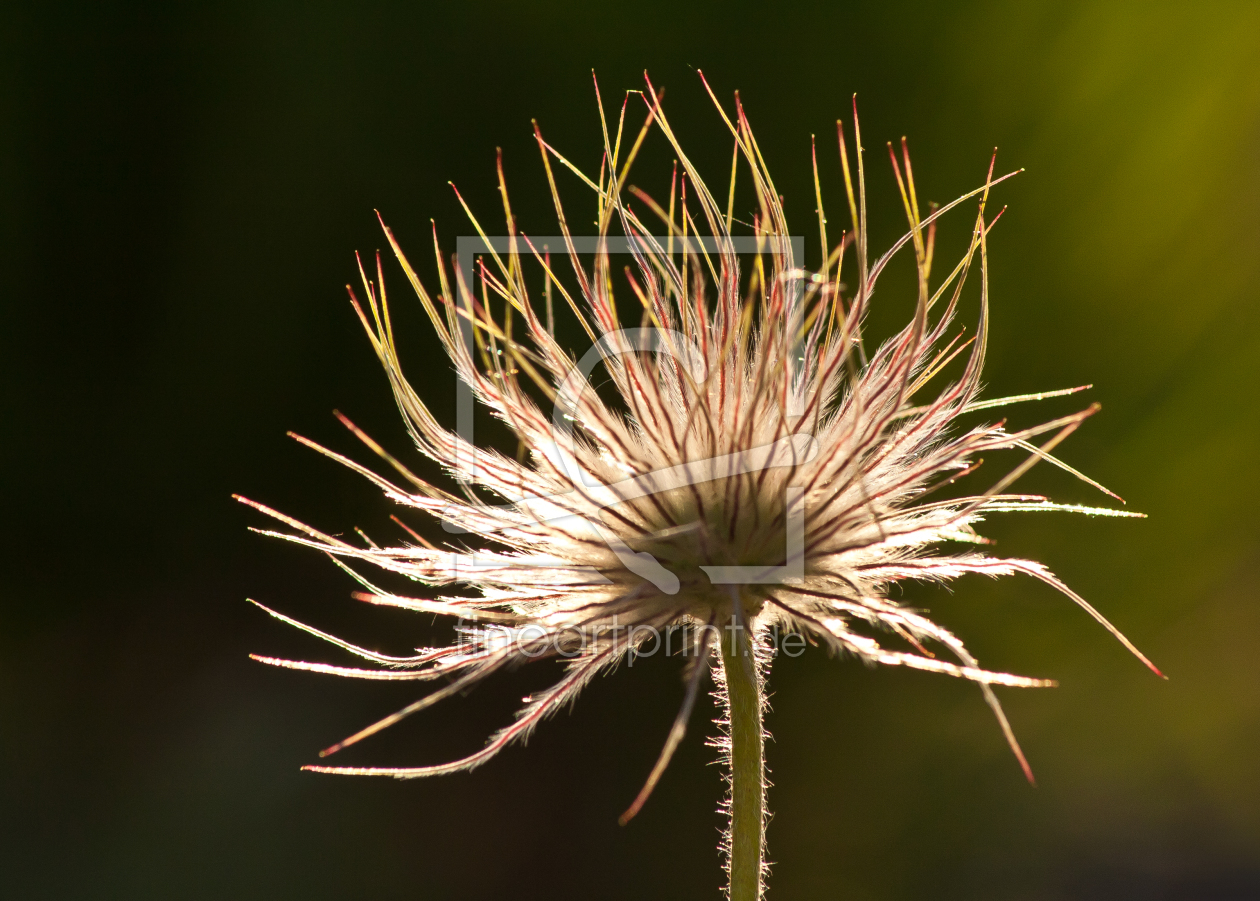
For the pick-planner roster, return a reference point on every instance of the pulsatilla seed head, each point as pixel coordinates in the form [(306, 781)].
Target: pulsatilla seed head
[(758, 465)]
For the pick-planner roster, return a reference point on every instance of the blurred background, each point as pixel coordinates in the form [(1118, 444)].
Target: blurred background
[(183, 188)]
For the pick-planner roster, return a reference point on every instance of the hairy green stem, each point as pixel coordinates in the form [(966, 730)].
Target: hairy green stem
[(748, 784)]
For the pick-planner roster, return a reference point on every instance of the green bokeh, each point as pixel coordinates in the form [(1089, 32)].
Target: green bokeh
[(183, 190)]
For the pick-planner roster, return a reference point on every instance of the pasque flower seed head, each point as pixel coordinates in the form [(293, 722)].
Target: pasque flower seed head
[(760, 465)]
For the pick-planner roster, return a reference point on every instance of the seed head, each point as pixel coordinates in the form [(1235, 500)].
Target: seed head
[(758, 465)]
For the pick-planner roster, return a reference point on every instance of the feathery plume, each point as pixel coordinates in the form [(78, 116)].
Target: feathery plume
[(762, 467)]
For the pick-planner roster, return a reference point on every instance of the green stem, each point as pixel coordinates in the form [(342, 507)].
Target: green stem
[(743, 689)]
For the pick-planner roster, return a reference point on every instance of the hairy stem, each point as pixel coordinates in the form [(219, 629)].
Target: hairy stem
[(748, 784)]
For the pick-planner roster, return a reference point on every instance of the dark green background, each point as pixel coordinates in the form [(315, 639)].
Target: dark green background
[(182, 189)]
